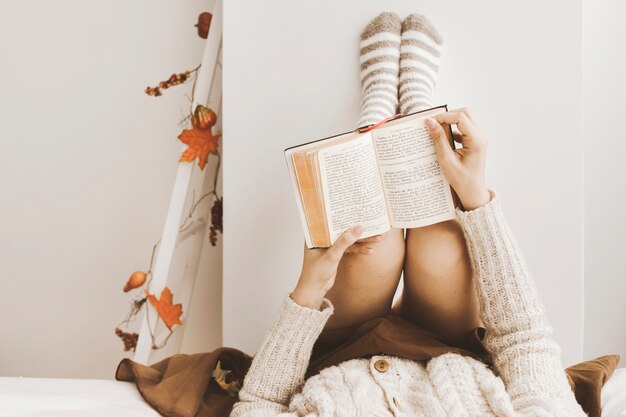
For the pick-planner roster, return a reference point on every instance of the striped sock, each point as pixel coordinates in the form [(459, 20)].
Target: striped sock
[(380, 60), (419, 63)]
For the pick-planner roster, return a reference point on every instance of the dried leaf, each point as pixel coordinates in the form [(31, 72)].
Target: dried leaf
[(226, 380), (174, 79), (216, 221), (201, 142), (169, 313), (129, 339)]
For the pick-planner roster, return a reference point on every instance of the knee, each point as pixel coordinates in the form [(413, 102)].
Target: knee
[(438, 245)]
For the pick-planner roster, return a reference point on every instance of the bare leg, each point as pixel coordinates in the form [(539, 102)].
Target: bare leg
[(438, 293), (365, 284), (438, 290)]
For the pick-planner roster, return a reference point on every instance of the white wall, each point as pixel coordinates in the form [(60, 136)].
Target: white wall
[(291, 75), (87, 160), (605, 178), (87, 164)]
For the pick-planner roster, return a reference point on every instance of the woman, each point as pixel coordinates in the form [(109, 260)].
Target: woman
[(458, 275)]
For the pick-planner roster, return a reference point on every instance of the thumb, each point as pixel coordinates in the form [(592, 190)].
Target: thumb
[(347, 239), (442, 145)]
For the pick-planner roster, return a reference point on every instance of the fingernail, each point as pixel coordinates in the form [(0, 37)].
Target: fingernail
[(431, 123), (357, 230)]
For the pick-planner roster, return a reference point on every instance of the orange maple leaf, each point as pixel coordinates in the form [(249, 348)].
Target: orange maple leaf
[(169, 313), (201, 142)]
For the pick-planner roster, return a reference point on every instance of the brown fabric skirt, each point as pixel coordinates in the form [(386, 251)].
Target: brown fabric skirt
[(391, 335)]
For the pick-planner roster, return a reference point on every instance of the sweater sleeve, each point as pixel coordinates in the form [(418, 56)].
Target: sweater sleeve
[(518, 335), (279, 365)]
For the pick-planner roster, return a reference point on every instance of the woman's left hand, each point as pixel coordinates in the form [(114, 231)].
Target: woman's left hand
[(364, 246)]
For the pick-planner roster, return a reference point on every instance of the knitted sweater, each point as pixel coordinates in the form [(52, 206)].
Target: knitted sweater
[(528, 378)]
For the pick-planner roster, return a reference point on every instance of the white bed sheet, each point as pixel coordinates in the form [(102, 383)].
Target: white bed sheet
[(614, 395), (51, 397)]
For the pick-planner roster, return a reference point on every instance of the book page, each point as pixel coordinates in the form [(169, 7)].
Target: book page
[(306, 172), (417, 192), (353, 193), (303, 166)]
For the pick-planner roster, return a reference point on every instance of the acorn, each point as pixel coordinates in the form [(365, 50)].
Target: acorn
[(137, 279), (203, 25), (203, 118)]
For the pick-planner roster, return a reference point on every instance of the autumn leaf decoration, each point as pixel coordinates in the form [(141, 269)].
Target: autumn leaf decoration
[(204, 24), (173, 80), (200, 139), (226, 380), (168, 312), (201, 142)]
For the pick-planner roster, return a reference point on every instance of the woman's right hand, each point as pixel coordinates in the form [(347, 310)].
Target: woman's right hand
[(319, 269), (464, 168)]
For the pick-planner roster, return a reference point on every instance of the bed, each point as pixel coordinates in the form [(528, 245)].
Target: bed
[(614, 395), (30, 397), (52, 397)]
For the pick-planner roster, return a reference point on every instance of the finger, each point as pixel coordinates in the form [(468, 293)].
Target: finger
[(358, 248), (468, 113), (365, 250), (347, 239), (471, 135), (456, 134), (371, 239), (463, 122), (440, 139)]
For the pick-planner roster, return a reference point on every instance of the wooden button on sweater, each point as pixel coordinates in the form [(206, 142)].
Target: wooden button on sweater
[(381, 365)]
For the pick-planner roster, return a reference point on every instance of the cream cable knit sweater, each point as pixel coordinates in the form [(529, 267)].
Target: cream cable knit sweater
[(531, 379)]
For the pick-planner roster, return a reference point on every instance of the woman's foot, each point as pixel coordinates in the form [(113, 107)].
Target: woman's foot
[(419, 63), (380, 60)]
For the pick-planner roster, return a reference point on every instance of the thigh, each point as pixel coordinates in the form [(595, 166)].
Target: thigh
[(365, 284), (439, 292)]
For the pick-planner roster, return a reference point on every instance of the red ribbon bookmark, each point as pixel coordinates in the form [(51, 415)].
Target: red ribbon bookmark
[(374, 126)]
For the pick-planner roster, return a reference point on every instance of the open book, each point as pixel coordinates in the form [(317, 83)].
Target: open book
[(383, 178)]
